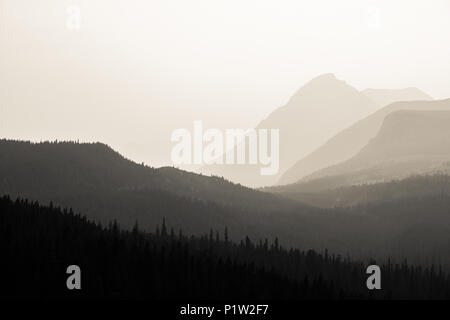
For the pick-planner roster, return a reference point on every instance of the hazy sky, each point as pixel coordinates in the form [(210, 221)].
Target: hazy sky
[(138, 69)]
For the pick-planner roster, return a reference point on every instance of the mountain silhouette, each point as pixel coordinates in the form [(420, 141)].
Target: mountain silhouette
[(65, 167), (384, 97), (350, 141), (316, 112), (96, 180)]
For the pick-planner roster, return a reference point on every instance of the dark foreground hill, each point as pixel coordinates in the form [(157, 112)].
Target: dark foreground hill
[(38, 243), (96, 180), (59, 168)]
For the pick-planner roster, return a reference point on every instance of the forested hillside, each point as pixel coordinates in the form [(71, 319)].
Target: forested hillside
[(99, 183), (38, 243), (82, 168), (95, 180)]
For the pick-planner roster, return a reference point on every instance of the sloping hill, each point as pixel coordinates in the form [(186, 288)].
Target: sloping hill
[(409, 143), (68, 167), (350, 141), (95, 180)]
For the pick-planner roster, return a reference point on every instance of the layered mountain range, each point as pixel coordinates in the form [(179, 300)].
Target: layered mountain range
[(313, 117), (102, 185), (367, 191)]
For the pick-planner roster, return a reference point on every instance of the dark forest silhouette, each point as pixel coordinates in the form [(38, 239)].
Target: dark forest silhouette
[(39, 242)]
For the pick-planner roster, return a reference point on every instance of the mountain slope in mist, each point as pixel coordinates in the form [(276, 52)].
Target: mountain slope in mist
[(317, 111), (409, 143), (384, 97), (96, 180), (65, 167), (418, 187), (350, 141)]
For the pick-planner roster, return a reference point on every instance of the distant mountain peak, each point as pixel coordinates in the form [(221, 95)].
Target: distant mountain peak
[(316, 112), (325, 90), (325, 76), (324, 80)]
